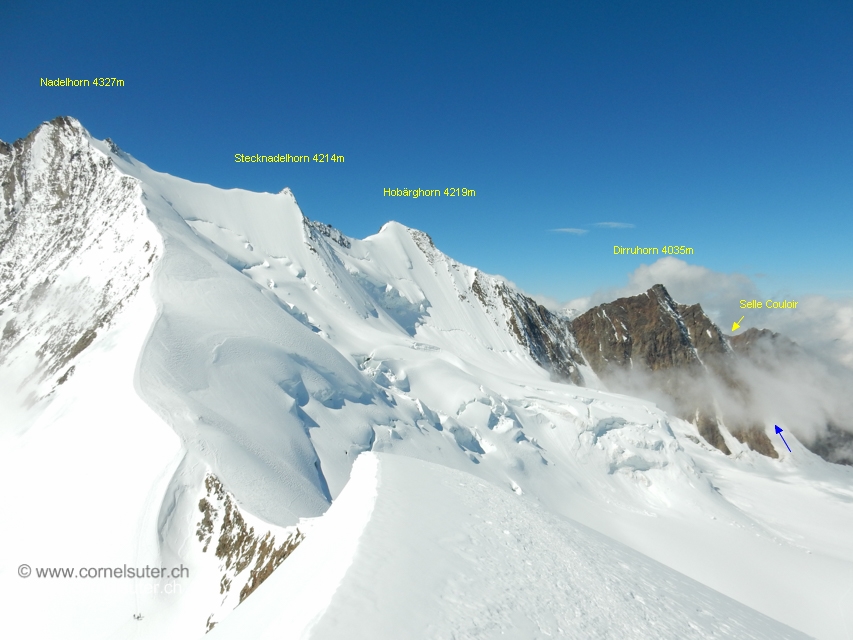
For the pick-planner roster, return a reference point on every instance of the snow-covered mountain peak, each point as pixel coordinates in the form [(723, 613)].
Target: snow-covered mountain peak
[(76, 245), (287, 192)]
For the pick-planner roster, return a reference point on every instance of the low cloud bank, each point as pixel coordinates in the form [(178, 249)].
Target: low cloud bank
[(775, 383)]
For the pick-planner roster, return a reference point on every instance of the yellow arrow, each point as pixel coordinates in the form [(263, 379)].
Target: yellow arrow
[(736, 325)]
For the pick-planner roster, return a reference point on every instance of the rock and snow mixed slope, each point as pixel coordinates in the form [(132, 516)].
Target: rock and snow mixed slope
[(270, 352)]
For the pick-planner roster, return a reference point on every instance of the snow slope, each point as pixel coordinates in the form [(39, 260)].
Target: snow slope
[(270, 351), (415, 550)]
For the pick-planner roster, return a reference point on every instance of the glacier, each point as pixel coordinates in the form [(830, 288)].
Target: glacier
[(158, 332)]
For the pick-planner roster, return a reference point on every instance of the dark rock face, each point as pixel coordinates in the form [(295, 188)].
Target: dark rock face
[(835, 446), (754, 436), (546, 336), (706, 337), (710, 430), (645, 331)]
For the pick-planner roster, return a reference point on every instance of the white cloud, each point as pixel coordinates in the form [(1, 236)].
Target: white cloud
[(719, 293), (615, 225), (820, 323), (603, 225)]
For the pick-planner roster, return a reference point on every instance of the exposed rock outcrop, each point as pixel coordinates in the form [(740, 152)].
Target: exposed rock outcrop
[(239, 546), (546, 336), (836, 445), (645, 331)]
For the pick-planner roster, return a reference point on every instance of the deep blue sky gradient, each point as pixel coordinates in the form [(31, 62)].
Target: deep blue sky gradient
[(724, 126)]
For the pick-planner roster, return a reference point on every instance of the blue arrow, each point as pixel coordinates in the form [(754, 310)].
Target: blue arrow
[(779, 431)]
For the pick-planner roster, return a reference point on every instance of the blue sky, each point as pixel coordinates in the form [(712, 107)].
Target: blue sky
[(723, 126)]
